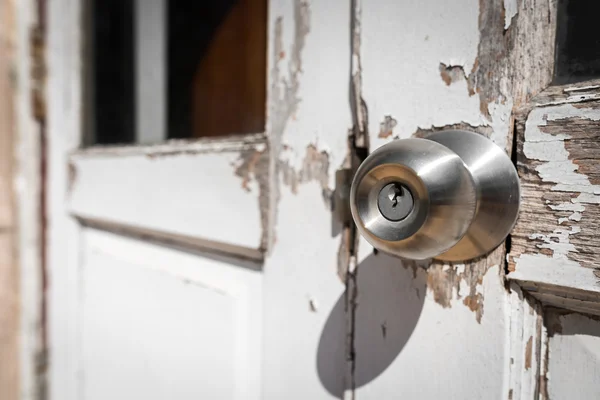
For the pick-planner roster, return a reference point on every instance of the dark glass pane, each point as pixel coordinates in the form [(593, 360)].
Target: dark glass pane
[(216, 68), (191, 27), (577, 41), (112, 69)]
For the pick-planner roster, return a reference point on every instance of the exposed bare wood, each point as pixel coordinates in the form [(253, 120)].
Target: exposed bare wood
[(509, 57), (555, 242), (517, 63), (9, 273)]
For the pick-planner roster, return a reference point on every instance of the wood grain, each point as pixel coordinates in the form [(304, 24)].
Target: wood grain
[(557, 232)]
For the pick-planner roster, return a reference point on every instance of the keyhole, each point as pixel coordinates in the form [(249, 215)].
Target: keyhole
[(395, 201), (394, 192)]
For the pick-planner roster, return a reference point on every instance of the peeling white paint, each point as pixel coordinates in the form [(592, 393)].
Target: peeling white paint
[(401, 77), (559, 169), (558, 241), (500, 113), (559, 271), (510, 10), (315, 122), (576, 98), (581, 88)]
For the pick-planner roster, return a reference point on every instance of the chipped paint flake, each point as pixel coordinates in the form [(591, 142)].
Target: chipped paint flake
[(386, 128), (500, 113), (284, 101), (452, 73), (315, 167), (510, 10), (558, 241), (556, 167), (461, 282)]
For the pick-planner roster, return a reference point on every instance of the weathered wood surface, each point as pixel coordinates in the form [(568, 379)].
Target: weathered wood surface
[(427, 66), (555, 243), (9, 281)]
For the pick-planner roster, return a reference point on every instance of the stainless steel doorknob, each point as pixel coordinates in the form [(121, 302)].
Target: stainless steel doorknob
[(453, 196)]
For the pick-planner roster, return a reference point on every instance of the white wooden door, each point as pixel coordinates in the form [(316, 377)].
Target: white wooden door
[(215, 268), (156, 247)]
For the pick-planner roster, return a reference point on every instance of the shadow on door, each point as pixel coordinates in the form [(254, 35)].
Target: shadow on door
[(389, 302)]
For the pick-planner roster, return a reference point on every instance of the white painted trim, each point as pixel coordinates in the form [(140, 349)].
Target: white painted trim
[(28, 186), (64, 94), (180, 241), (234, 143), (546, 270), (177, 192), (150, 70), (527, 336)]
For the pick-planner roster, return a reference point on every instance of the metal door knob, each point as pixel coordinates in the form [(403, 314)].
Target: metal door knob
[(453, 196)]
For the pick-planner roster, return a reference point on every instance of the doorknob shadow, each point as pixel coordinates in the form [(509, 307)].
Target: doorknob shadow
[(390, 299)]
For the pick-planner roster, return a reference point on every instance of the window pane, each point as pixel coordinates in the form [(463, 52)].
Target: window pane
[(577, 41), (112, 71), (215, 68)]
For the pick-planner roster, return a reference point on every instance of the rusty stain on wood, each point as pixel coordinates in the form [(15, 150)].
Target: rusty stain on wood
[(386, 128)]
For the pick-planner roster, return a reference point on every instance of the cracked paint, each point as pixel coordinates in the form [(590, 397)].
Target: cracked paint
[(554, 165)]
